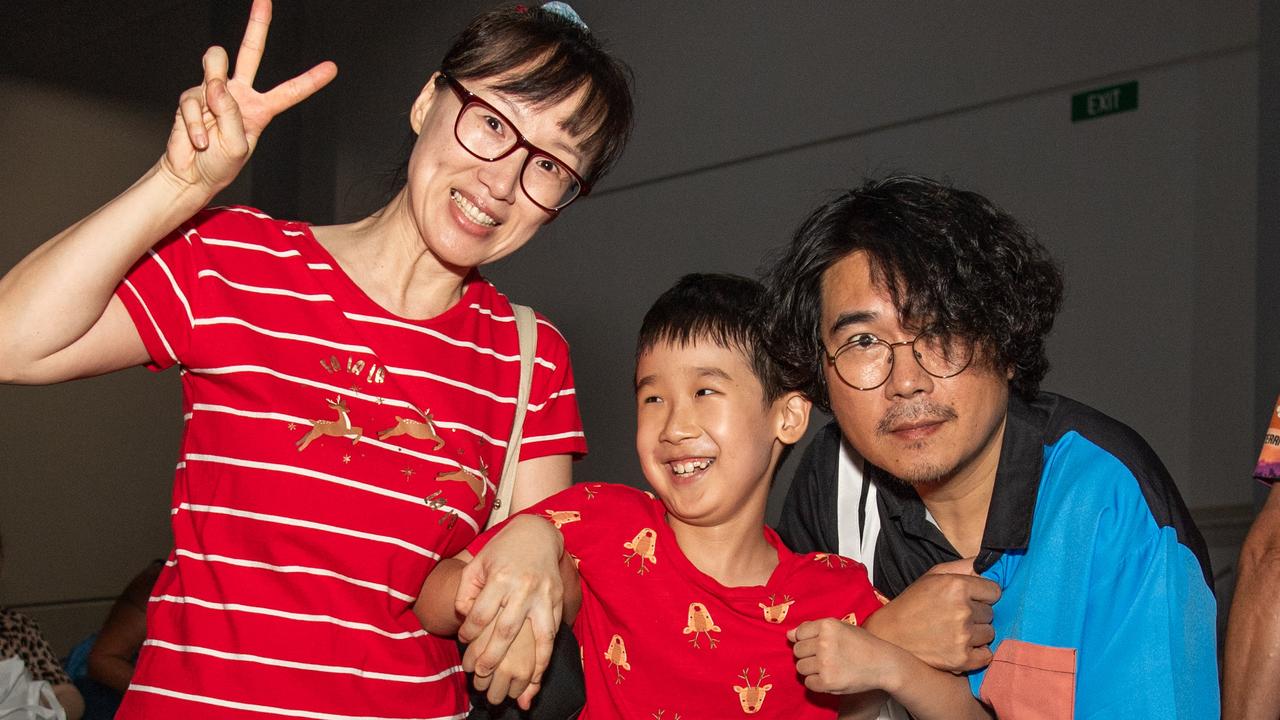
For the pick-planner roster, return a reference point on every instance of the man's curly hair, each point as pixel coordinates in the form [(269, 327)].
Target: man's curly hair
[(951, 261)]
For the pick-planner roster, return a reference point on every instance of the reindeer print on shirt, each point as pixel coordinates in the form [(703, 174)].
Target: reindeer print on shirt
[(560, 518), (776, 612), (333, 428), (477, 483), (424, 430), (752, 696)]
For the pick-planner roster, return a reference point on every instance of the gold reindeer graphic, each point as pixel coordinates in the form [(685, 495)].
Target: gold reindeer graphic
[(476, 483), (776, 612), (643, 546), (333, 428), (425, 430), (560, 518), (700, 623), (752, 696), (827, 558), (617, 657)]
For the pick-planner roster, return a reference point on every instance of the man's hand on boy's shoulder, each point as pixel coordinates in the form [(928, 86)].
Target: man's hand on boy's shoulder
[(943, 618)]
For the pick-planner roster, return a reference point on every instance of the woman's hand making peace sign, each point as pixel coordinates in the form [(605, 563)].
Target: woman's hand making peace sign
[(219, 121)]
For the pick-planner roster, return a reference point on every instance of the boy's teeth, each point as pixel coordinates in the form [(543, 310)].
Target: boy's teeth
[(692, 466), (474, 213)]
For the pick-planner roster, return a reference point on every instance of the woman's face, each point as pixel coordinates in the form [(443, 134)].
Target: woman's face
[(469, 211)]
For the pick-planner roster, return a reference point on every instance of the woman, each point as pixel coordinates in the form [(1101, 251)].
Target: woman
[(348, 389)]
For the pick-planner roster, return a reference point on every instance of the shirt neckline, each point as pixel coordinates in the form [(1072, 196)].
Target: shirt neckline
[(1013, 496), (355, 297), (777, 579)]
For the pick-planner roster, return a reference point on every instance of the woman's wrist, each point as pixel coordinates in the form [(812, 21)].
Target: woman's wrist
[(541, 526), (181, 196)]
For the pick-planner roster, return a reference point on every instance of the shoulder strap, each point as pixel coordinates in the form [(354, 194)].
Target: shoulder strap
[(527, 329)]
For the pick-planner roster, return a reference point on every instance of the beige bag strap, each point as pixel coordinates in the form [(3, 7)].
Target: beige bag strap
[(527, 329)]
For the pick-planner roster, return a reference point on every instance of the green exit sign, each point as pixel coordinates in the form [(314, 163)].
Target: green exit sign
[(1104, 101)]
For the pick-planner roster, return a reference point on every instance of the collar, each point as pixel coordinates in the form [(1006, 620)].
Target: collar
[(1013, 498)]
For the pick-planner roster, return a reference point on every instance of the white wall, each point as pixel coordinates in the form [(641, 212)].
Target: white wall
[(748, 117)]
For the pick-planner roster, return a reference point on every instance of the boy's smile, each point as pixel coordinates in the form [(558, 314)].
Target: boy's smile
[(706, 439)]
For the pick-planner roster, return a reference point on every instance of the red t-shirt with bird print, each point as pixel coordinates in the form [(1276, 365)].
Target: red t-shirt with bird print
[(660, 639)]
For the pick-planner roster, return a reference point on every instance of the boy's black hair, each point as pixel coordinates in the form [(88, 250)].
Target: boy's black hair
[(950, 260), (726, 309)]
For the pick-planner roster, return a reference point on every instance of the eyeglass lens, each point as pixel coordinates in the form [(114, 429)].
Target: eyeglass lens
[(867, 362), (488, 136)]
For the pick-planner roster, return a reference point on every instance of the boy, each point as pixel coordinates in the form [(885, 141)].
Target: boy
[(690, 605)]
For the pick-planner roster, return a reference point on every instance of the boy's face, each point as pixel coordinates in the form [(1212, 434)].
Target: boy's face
[(706, 440)]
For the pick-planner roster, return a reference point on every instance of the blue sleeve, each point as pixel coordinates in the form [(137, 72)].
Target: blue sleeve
[(1148, 645), (1105, 576)]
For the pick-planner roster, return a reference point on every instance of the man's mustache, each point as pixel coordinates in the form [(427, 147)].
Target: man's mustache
[(927, 410)]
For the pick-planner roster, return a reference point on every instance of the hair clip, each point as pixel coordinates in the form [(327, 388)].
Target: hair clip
[(563, 10), (521, 9)]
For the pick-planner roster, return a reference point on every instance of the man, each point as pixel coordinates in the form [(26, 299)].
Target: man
[(917, 314), (1253, 629)]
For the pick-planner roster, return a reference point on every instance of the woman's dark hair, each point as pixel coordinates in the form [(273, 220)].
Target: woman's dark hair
[(951, 261), (728, 310), (561, 56)]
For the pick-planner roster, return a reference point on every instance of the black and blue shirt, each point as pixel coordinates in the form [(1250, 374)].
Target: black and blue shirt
[(1106, 587)]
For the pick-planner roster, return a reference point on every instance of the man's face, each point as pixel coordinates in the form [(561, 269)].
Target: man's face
[(919, 428)]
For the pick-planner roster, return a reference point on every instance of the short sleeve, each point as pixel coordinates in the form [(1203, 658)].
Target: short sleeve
[(553, 425), (159, 290), (582, 513), (36, 653), (1148, 645), (856, 600), (564, 509)]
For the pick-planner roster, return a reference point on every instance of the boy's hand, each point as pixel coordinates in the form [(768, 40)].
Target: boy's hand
[(943, 618), (514, 673), (515, 577), (834, 657)]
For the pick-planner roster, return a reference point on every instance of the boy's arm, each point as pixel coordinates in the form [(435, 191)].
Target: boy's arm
[(435, 604), (841, 659)]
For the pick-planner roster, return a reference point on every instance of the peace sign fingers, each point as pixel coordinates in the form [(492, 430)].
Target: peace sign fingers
[(219, 121), (299, 88), (254, 42)]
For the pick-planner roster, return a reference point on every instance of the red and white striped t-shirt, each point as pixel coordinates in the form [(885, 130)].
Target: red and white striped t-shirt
[(333, 452)]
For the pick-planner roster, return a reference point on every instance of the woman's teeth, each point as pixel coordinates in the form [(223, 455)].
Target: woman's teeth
[(690, 466), (474, 214)]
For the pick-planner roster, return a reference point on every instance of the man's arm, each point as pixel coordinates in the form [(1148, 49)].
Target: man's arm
[(943, 618), (1252, 659)]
